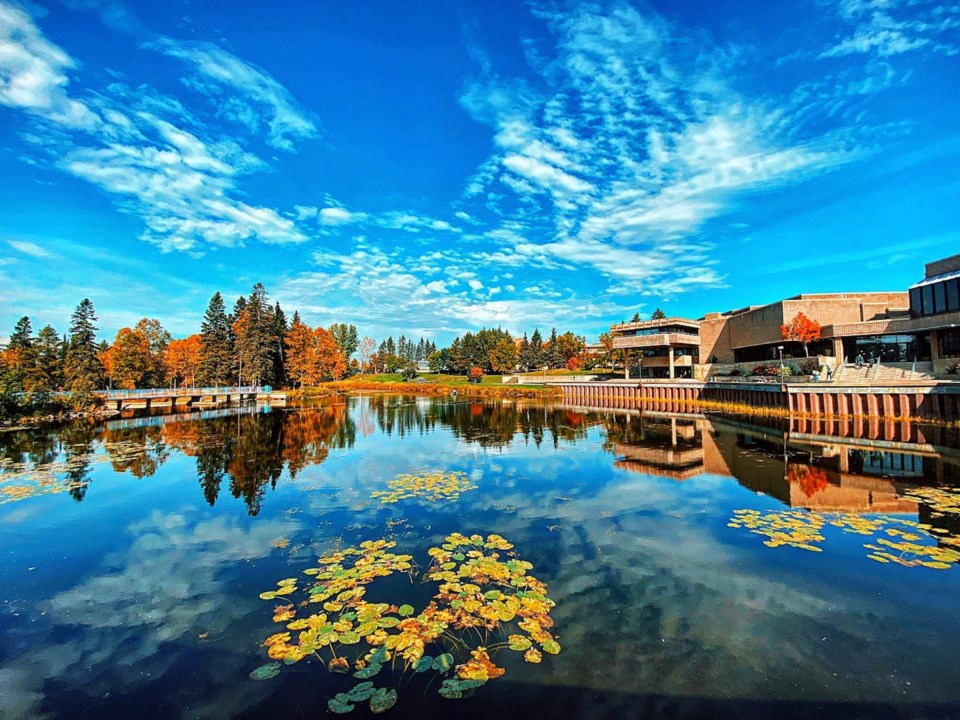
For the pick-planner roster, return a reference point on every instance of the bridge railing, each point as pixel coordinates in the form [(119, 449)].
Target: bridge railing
[(178, 392)]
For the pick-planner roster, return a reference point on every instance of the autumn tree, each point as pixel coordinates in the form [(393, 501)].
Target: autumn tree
[(313, 356), (157, 340), (569, 346), (503, 356), (82, 367), (128, 361), (215, 344), (182, 360), (801, 329)]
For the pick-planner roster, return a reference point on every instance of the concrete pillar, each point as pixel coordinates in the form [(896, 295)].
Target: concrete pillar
[(626, 364), (838, 348), (670, 357), (934, 345)]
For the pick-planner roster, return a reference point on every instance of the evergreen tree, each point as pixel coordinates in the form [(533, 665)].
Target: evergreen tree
[(346, 337), (19, 355), (536, 349), (554, 357), (82, 367), (45, 373), (658, 314), (523, 356), (279, 332), (215, 344), (253, 347)]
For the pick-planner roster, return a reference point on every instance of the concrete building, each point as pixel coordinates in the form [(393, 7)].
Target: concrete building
[(919, 326)]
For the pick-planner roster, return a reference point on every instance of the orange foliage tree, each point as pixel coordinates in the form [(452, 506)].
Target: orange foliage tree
[(182, 360), (128, 360), (801, 329), (313, 356)]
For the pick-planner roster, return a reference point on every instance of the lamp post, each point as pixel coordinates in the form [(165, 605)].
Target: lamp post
[(780, 351)]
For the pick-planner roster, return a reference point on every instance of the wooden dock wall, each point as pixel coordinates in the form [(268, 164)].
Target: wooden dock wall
[(807, 399)]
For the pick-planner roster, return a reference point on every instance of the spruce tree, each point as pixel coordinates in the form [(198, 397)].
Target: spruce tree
[(82, 367), (536, 349), (279, 332), (215, 350), (45, 373), (253, 328), (523, 356)]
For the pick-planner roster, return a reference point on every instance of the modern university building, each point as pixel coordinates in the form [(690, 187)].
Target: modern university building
[(918, 327)]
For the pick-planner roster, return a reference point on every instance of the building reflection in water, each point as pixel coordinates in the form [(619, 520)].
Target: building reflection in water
[(840, 472)]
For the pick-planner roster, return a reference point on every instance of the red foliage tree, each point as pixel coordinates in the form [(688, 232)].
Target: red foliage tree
[(801, 329)]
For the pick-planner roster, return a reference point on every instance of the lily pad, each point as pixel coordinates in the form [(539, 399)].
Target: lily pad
[(265, 672), (443, 663), (382, 700), (405, 610), (340, 704)]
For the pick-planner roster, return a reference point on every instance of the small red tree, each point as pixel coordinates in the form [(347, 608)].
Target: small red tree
[(573, 363), (475, 374), (801, 329)]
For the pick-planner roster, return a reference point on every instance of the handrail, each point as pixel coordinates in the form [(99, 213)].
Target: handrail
[(159, 392)]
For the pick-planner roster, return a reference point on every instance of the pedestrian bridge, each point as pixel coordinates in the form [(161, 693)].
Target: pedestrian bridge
[(185, 397)]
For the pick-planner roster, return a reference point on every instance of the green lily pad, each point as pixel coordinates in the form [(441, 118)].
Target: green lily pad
[(369, 671), (423, 664), (551, 647), (265, 672), (405, 610), (443, 663), (340, 704), (361, 692), (382, 700), (349, 638), (389, 622)]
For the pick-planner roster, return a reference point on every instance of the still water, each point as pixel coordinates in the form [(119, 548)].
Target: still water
[(700, 567)]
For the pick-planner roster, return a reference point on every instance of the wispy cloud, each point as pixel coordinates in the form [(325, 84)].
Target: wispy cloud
[(158, 160), (637, 144), (29, 248), (252, 96), (885, 28)]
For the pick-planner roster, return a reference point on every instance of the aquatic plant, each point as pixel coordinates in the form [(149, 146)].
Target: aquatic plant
[(433, 486), (898, 541), (486, 601)]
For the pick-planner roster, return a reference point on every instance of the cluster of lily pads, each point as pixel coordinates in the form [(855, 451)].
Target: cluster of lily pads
[(433, 486), (22, 481), (486, 601), (898, 541)]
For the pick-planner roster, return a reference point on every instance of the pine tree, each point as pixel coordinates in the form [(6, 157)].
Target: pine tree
[(554, 356), (215, 347), (523, 356), (346, 337), (536, 349), (658, 314), (19, 355), (45, 373), (279, 332), (82, 367), (253, 346)]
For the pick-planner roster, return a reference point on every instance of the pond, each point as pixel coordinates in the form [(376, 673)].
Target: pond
[(428, 557)]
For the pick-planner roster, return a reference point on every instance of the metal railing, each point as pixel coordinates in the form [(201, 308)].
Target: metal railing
[(179, 392)]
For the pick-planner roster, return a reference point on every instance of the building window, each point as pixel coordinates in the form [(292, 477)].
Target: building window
[(940, 297), (916, 304), (927, 300), (949, 343), (888, 348), (953, 294)]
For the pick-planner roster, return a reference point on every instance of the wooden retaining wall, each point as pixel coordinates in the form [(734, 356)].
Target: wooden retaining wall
[(807, 399)]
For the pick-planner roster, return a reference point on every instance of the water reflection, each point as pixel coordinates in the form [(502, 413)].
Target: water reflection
[(146, 602)]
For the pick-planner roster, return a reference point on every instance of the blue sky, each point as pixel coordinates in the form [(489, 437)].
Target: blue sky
[(430, 168)]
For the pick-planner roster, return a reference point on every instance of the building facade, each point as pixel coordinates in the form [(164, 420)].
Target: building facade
[(920, 326)]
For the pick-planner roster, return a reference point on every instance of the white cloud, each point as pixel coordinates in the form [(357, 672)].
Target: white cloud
[(886, 28), (257, 96), (475, 285), (33, 73), (156, 159), (337, 216), (29, 248)]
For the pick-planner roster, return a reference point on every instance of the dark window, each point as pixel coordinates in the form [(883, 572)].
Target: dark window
[(949, 341), (940, 297), (953, 294), (927, 300), (916, 305)]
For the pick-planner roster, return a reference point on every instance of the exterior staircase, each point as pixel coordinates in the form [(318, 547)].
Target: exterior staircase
[(884, 373)]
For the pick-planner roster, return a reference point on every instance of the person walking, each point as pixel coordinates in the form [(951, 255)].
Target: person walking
[(859, 360)]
